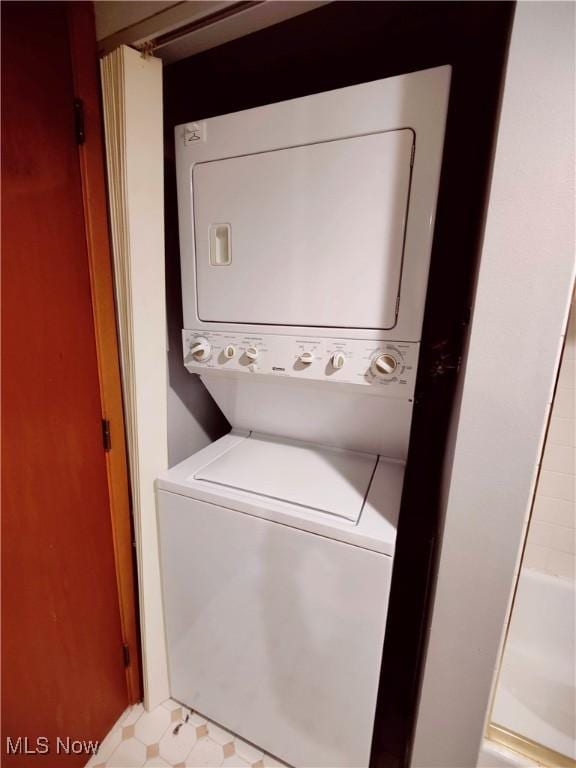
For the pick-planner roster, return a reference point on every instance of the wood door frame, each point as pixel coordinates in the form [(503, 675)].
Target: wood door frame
[(84, 61)]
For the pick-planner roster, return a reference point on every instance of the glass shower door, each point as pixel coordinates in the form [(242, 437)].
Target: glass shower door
[(534, 707)]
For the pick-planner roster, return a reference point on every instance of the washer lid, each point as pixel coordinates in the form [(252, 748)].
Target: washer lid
[(329, 480)]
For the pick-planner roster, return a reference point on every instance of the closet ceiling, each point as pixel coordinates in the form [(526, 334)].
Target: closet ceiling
[(176, 30)]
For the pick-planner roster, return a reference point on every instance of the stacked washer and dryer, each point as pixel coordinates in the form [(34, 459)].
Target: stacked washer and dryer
[(306, 229)]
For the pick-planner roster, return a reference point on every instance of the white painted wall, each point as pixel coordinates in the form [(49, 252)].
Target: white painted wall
[(520, 311)]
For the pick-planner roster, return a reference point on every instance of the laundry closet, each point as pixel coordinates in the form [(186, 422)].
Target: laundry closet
[(327, 233)]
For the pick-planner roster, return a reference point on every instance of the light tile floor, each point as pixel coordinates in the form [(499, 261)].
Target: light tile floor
[(173, 735)]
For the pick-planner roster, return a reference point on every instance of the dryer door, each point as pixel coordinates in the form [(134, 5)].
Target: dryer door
[(305, 236)]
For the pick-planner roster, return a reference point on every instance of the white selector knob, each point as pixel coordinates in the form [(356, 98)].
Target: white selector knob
[(338, 360), (384, 365), (200, 349), (252, 353), (229, 351), (306, 358)]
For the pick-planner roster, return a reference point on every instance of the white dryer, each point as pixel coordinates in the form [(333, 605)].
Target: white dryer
[(305, 230)]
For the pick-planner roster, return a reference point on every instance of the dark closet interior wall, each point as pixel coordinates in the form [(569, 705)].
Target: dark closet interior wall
[(342, 44)]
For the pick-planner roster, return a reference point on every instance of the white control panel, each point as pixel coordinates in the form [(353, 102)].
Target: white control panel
[(387, 367)]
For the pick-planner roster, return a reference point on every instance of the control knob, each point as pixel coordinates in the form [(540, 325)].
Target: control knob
[(252, 353), (306, 358), (338, 360), (384, 364), (201, 349), (229, 351)]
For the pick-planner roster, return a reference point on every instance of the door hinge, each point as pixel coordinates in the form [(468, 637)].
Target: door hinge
[(126, 654), (79, 121), (106, 439)]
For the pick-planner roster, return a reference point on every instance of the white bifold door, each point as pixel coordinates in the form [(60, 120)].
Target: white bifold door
[(310, 235)]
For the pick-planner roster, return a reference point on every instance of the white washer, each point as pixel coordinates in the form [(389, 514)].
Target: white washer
[(276, 563), (305, 230)]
